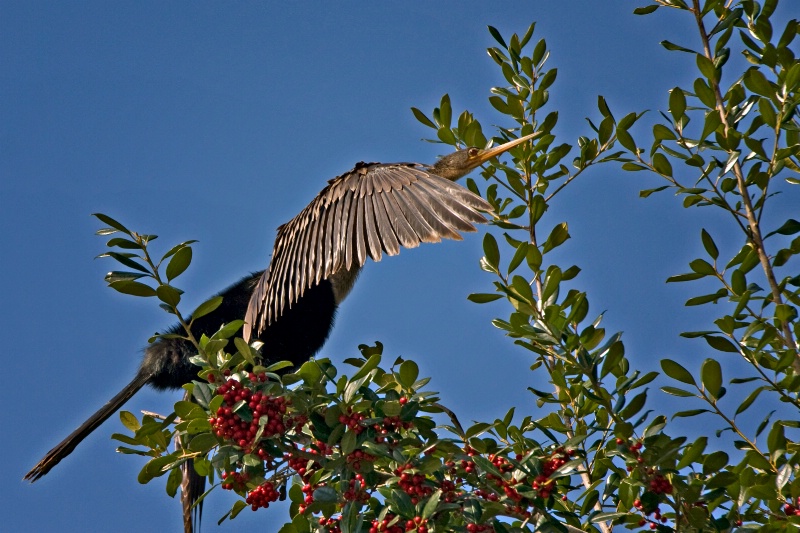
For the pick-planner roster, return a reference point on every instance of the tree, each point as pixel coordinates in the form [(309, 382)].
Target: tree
[(362, 452)]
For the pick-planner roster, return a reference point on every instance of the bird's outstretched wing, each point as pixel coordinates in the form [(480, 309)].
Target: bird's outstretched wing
[(373, 209)]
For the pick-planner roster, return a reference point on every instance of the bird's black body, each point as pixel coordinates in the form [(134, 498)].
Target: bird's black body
[(302, 330)]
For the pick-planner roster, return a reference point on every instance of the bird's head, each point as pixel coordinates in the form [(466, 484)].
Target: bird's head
[(460, 163)]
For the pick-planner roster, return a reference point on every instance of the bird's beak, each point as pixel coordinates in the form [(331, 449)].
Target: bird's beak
[(486, 155)]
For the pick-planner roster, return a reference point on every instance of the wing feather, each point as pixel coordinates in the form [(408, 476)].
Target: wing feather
[(371, 231), (405, 233), (385, 231), (371, 209), (423, 231)]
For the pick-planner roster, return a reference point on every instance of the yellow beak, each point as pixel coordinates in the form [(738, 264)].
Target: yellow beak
[(486, 155)]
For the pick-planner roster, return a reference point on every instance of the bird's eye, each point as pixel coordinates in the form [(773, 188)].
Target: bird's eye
[(472, 152)]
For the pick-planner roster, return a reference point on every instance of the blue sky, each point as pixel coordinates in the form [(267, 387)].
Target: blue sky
[(219, 122)]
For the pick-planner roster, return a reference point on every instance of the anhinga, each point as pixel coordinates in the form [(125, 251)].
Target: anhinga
[(375, 208)]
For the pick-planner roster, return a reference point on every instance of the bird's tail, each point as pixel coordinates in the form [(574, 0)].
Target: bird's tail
[(65, 447)]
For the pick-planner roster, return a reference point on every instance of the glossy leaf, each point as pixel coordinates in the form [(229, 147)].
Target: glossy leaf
[(105, 219), (207, 307), (491, 251), (677, 372), (134, 288), (711, 377)]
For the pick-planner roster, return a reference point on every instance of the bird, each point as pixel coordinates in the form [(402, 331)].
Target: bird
[(371, 210)]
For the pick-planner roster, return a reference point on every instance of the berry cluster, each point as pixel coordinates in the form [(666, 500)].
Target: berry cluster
[(506, 485), (541, 482), (415, 485), (356, 458), (418, 524), (390, 424), (449, 492), (659, 484), (235, 481), (306, 468), (657, 517), (262, 496), (390, 524), (480, 528), (357, 491), (308, 499), (332, 524), (466, 465), (792, 510), (633, 449), (231, 426), (353, 421), (387, 525)]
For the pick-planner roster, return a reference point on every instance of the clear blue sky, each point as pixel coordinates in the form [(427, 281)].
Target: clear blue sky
[(219, 122)]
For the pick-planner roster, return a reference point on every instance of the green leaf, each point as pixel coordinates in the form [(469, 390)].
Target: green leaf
[(749, 400), (445, 112), (647, 192), (491, 251), (420, 116), (711, 376), (706, 298), (105, 219), (677, 103), (677, 372), (644, 11), (714, 462), (558, 235), (497, 37), (244, 349), (721, 343), (482, 298), (134, 288), (708, 244), (603, 106), (674, 391), (702, 267), (693, 452), (627, 141), (690, 413), (705, 94), (409, 371), (169, 295), (228, 330), (369, 365), (519, 255), (207, 307), (790, 227), (755, 80), (126, 260), (706, 67), (431, 504), (326, 494), (129, 420), (661, 133), (174, 481), (179, 263), (349, 442), (634, 406), (117, 275), (672, 47), (662, 164), (126, 244)]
